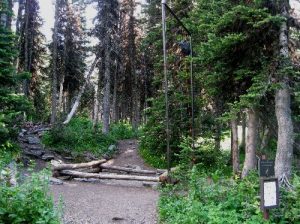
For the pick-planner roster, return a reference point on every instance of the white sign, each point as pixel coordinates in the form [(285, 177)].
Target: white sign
[(270, 196)]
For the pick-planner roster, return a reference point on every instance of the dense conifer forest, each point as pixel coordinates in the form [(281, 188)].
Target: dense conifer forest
[(209, 89)]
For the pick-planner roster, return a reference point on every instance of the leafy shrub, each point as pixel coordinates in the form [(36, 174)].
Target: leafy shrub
[(205, 200), (8, 151), (79, 137), (123, 130), (28, 203), (153, 138), (203, 154)]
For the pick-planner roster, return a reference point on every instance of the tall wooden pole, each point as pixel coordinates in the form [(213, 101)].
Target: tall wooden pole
[(192, 95), (164, 28)]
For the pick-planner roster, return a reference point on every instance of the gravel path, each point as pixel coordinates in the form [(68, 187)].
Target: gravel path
[(110, 201)]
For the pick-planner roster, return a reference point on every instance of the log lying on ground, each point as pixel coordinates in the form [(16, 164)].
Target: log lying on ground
[(90, 170), (65, 166), (129, 170), (108, 176)]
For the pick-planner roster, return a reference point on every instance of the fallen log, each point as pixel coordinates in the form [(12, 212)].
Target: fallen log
[(129, 170), (108, 176), (90, 170), (65, 166)]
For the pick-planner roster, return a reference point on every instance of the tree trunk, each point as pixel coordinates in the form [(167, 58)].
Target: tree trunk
[(96, 104), (108, 176), (252, 135), (54, 67), (265, 139), (20, 16), (243, 141), (235, 146), (129, 170), (61, 93), (114, 103), (284, 154), (65, 166), (81, 91), (106, 94), (26, 53)]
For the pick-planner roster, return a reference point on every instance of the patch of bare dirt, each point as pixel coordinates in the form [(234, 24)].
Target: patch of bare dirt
[(110, 201)]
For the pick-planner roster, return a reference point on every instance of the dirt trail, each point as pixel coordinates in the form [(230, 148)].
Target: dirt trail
[(109, 201)]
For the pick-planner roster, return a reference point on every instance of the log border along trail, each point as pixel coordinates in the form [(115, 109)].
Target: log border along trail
[(106, 197)]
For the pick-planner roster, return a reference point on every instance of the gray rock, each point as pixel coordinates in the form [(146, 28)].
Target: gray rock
[(35, 147), (47, 157), (112, 148), (34, 140), (35, 153), (55, 181)]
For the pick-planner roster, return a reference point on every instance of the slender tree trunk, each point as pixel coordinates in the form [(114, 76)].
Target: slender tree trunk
[(20, 16), (243, 141), (252, 137), (265, 139), (54, 67), (26, 53), (61, 93), (81, 91), (106, 94), (217, 137), (96, 104), (235, 146), (19, 26), (114, 103), (284, 154)]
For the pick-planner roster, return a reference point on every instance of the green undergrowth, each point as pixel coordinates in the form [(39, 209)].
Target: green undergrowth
[(217, 198), (29, 202), (79, 137)]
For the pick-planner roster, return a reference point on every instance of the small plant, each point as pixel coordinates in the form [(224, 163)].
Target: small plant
[(29, 202)]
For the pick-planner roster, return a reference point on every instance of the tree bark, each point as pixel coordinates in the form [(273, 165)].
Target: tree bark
[(64, 166), (284, 154), (96, 104), (108, 176), (81, 91), (54, 67), (114, 103), (20, 16), (250, 161), (243, 141), (235, 146), (106, 94), (129, 170), (265, 139), (26, 53)]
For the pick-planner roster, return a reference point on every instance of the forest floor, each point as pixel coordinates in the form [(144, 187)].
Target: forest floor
[(110, 201)]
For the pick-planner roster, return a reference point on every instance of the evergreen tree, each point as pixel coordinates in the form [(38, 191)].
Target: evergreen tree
[(106, 29), (11, 104), (32, 53)]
